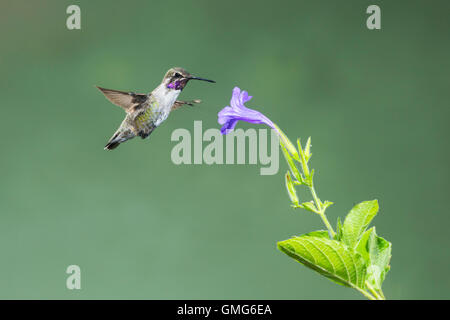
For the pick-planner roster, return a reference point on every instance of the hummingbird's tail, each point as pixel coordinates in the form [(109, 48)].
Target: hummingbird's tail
[(113, 142), (119, 137), (111, 145)]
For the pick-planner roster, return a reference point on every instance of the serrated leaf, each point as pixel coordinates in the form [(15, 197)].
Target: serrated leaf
[(377, 253), (330, 258), (357, 221)]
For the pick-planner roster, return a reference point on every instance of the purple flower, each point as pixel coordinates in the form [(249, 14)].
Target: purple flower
[(230, 115)]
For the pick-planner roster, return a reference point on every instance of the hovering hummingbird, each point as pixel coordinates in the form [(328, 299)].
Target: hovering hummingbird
[(145, 112)]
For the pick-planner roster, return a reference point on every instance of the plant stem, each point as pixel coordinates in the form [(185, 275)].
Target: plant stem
[(374, 292), (309, 182), (366, 294), (321, 212), (327, 224), (381, 294)]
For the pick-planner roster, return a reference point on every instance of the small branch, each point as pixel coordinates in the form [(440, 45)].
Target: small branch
[(321, 212)]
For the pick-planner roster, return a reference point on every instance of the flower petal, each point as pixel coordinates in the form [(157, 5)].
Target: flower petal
[(234, 102), (244, 97), (228, 126), (237, 111)]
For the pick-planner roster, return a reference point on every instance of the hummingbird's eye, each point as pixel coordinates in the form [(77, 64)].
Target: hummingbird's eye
[(177, 75)]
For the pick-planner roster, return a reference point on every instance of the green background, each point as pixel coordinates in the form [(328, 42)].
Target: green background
[(376, 104)]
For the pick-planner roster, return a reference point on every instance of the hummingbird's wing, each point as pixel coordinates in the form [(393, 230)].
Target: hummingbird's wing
[(129, 101), (180, 103)]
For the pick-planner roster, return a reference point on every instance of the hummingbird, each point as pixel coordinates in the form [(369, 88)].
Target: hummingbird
[(145, 112)]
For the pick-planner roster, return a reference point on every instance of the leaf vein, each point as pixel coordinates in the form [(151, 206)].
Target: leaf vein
[(342, 260), (307, 250), (323, 253)]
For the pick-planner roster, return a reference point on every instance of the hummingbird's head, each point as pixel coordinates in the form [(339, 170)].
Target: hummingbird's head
[(177, 78)]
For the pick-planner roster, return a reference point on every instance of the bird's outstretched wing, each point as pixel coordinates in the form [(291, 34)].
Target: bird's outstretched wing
[(126, 100), (180, 103)]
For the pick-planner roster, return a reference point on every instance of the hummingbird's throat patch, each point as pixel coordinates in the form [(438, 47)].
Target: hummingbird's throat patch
[(177, 85)]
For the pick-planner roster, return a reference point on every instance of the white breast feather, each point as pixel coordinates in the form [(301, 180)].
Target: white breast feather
[(165, 98)]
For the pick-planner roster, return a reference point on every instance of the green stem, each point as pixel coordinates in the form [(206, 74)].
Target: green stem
[(381, 294), (366, 294), (321, 212), (328, 225), (374, 292), (303, 158)]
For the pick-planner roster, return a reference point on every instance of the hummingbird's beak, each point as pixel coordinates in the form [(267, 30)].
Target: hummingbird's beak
[(197, 78)]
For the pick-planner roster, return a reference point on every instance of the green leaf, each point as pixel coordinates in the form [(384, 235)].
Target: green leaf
[(308, 149), (284, 140), (291, 189), (327, 203), (357, 221), (330, 258), (309, 179), (338, 235), (318, 233), (291, 164), (309, 206), (363, 245), (377, 253)]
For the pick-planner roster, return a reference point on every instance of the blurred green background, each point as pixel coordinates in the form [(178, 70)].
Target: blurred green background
[(376, 104)]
